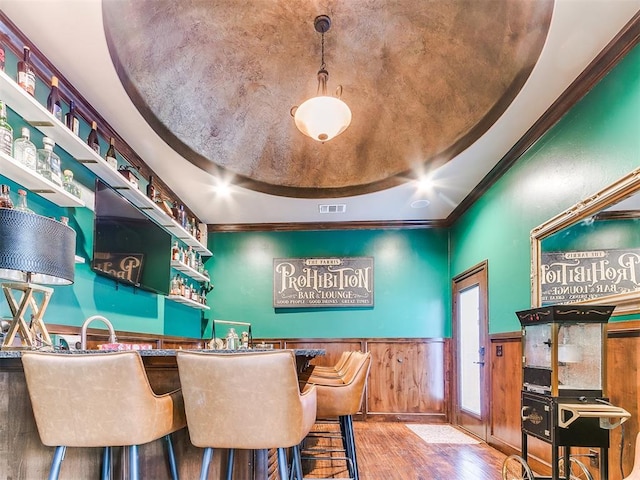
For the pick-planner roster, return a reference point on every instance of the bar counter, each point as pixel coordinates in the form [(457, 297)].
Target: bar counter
[(23, 457)]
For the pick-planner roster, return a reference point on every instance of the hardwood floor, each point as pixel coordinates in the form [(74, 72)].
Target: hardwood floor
[(390, 451)]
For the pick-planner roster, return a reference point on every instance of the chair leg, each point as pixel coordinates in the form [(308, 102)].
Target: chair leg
[(282, 463), (296, 463), (206, 460), (230, 459), (58, 456), (172, 458), (134, 473), (106, 463), (351, 445)]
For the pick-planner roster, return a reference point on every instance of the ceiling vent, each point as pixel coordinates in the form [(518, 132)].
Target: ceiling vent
[(336, 208)]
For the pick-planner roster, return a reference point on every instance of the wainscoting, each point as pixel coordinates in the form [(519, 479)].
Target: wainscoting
[(623, 351)]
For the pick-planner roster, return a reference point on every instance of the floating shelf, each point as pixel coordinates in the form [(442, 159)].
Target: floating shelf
[(190, 272), (188, 302), (36, 183), (39, 117)]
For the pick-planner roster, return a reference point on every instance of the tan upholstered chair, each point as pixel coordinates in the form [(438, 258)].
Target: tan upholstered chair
[(340, 396), (245, 401), (99, 400)]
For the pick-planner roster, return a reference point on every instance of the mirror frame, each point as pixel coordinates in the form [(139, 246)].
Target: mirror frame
[(625, 303)]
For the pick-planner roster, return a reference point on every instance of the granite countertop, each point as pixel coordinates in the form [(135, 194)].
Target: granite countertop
[(303, 352)]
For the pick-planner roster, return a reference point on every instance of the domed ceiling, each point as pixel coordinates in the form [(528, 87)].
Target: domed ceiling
[(423, 79)]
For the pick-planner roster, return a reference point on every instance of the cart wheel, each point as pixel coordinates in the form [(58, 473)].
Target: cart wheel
[(516, 468), (577, 470)]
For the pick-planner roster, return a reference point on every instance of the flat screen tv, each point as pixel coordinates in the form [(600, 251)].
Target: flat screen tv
[(129, 247)]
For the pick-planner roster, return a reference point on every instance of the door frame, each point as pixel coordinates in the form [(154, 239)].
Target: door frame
[(481, 269)]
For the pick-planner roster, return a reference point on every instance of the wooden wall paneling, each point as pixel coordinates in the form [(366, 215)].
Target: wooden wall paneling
[(407, 380), (505, 387)]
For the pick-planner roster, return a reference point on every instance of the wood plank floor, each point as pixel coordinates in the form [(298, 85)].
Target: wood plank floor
[(390, 451)]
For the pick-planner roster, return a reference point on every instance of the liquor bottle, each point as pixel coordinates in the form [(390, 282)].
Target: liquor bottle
[(182, 217), (24, 151), (175, 251), (22, 202), (5, 197), (71, 119), (26, 74), (92, 139), (48, 164), (6, 132), (151, 189), (110, 157), (69, 184), (54, 105)]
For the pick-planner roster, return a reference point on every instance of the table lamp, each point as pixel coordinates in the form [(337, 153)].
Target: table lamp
[(34, 251)]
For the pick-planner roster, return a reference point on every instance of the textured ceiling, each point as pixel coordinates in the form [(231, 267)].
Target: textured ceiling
[(424, 80)]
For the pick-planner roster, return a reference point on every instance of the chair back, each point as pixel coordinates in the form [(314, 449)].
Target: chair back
[(345, 398), (94, 400), (244, 400)]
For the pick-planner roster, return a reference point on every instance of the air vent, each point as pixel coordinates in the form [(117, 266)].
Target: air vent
[(336, 208)]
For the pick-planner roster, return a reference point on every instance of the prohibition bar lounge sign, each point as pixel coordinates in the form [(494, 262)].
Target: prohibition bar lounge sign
[(567, 277), (322, 282)]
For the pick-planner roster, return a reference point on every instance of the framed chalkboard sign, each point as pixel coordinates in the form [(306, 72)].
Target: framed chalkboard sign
[(323, 282)]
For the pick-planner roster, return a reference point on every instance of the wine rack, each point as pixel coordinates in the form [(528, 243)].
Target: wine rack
[(187, 301), (40, 118), (36, 183)]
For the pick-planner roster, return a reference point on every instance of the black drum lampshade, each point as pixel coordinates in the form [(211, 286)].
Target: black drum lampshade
[(36, 249)]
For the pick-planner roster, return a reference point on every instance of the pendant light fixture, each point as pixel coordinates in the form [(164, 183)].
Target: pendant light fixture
[(322, 117)]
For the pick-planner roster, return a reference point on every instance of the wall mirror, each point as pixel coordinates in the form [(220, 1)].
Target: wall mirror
[(590, 253)]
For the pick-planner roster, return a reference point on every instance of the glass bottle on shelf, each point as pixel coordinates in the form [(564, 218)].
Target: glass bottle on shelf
[(26, 74), (110, 157), (5, 197), (92, 139), (175, 251), (6, 132), (69, 184), (182, 217), (71, 119), (22, 202), (151, 189), (54, 104), (48, 164), (175, 285), (24, 151)]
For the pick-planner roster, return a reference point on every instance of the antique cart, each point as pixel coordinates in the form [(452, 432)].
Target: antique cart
[(564, 399)]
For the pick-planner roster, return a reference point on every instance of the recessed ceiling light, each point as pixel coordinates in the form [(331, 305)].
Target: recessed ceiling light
[(423, 203)]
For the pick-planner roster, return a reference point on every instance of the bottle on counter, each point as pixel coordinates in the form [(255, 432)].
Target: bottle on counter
[(26, 74), (71, 119), (92, 139), (48, 164), (22, 202), (54, 104), (151, 189), (110, 157), (6, 132), (5, 197), (24, 151)]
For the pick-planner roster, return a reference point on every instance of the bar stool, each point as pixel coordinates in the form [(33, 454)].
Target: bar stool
[(99, 400), (340, 397), (246, 401)]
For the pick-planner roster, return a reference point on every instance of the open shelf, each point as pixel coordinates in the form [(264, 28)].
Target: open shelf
[(39, 117), (188, 302), (36, 183), (188, 271)]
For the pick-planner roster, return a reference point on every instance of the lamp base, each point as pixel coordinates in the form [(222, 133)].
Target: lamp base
[(20, 297)]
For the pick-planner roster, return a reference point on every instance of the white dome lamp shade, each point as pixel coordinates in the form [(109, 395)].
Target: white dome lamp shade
[(322, 117)]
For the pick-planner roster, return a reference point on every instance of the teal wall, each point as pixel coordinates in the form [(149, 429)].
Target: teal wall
[(411, 283), (597, 142), (128, 309)]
